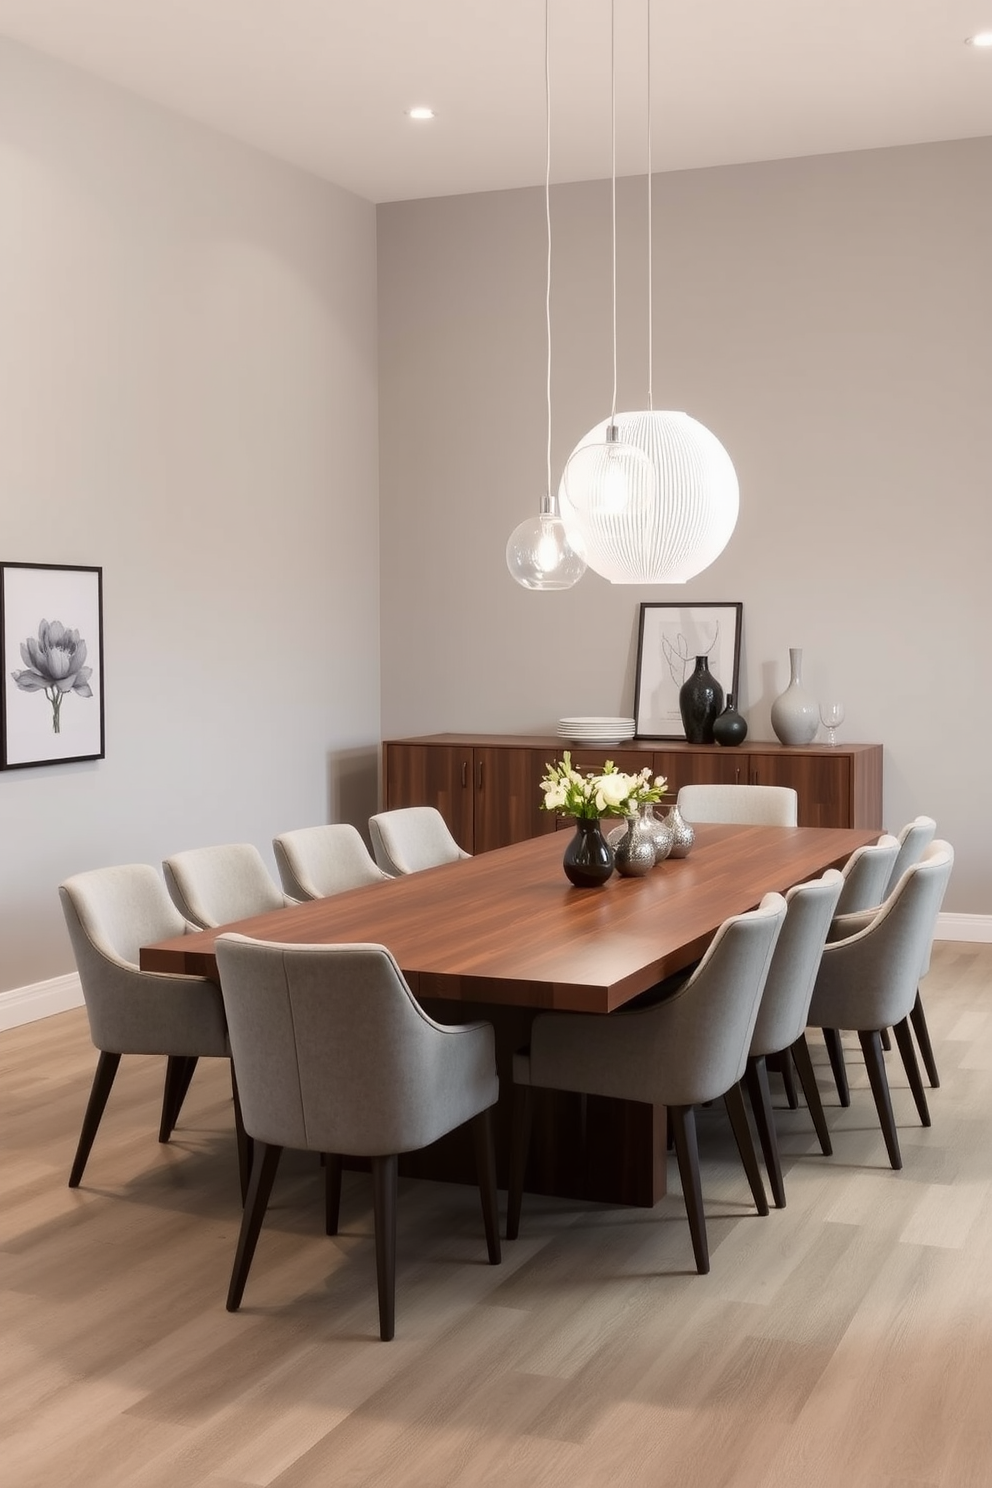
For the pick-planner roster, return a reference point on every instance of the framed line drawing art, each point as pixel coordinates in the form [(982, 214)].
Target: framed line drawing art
[(670, 638), (51, 641)]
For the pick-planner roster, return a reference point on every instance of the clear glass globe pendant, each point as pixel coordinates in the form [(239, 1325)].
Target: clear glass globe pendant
[(539, 553), (669, 526)]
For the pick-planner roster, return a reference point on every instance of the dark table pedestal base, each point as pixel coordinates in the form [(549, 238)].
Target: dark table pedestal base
[(581, 1147)]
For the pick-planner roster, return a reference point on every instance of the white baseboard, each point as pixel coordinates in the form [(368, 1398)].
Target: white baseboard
[(964, 927), (27, 1004)]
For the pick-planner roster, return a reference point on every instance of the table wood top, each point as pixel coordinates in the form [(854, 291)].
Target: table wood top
[(507, 927)]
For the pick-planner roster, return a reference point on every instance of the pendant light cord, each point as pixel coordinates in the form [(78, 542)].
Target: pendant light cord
[(613, 187), (650, 246), (552, 500)]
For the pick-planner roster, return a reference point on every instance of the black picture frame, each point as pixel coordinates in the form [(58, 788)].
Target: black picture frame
[(51, 643), (670, 637)]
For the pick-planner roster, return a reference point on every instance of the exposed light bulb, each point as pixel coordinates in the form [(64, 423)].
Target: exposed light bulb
[(608, 476), (540, 554)]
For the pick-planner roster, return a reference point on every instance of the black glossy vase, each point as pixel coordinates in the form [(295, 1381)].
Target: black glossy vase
[(729, 726), (588, 860), (700, 701)]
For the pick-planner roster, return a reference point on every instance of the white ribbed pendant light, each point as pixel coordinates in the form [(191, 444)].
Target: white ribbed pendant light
[(674, 530), (539, 553), (674, 525)]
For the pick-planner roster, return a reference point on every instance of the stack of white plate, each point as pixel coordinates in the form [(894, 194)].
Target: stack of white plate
[(596, 730)]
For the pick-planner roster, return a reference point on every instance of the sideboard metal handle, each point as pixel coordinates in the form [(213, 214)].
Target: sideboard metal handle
[(464, 774)]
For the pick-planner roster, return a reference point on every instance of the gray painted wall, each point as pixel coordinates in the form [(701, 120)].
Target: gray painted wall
[(187, 398), (830, 320)]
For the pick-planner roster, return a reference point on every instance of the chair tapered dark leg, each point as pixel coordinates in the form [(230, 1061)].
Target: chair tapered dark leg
[(384, 1171), (886, 1041), (519, 1143), (103, 1079), (919, 1021), (871, 1046), (736, 1110), (807, 1078), (788, 1080), (332, 1191), (485, 1166), (178, 1074), (683, 1119), (756, 1079), (263, 1175), (246, 1146), (835, 1049), (904, 1042)]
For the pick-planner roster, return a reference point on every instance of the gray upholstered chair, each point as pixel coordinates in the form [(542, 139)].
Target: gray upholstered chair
[(110, 914), (869, 980), (783, 1011), (913, 840), (746, 805), (315, 862), (334, 1055), (866, 874), (750, 805), (216, 885), (689, 1048), (411, 838), (915, 837)]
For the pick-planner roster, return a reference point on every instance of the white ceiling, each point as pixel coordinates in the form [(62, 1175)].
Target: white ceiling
[(326, 84)]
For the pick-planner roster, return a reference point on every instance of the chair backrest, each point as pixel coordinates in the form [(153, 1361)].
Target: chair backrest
[(914, 838), (110, 913), (315, 862), (749, 805), (784, 1006), (333, 1053), (866, 874), (411, 838), (117, 911), (870, 979), (217, 885)]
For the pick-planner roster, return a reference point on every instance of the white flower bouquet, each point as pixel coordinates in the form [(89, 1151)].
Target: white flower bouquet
[(608, 793)]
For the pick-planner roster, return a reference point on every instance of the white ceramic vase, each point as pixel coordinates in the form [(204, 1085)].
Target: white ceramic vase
[(795, 715)]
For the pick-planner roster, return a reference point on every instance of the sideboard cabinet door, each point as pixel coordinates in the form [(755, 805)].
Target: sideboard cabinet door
[(508, 797), (441, 775), (488, 795)]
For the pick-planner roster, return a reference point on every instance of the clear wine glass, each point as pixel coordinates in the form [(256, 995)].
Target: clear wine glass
[(831, 716)]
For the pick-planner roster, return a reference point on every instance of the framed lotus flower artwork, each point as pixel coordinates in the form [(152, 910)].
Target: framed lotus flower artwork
[(51, 641)]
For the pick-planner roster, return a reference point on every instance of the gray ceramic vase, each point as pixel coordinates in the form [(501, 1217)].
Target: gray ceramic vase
[(795, 715)]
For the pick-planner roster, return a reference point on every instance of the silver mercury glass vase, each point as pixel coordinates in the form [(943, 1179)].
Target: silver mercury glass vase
[(635, 851), (661, 832), (683, 835)]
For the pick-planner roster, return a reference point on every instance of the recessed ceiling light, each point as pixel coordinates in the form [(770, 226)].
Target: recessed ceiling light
[(981, 39), (420, 112)]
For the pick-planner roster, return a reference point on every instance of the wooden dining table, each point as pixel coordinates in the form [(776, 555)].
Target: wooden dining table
[(504, 936)]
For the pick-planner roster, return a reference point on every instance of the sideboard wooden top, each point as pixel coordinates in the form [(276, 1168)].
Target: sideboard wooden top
[(556, 745)]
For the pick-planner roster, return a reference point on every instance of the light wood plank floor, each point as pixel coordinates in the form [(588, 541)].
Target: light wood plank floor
[(846, 1340)]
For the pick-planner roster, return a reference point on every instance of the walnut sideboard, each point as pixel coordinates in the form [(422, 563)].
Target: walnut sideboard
[(486, 786)]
